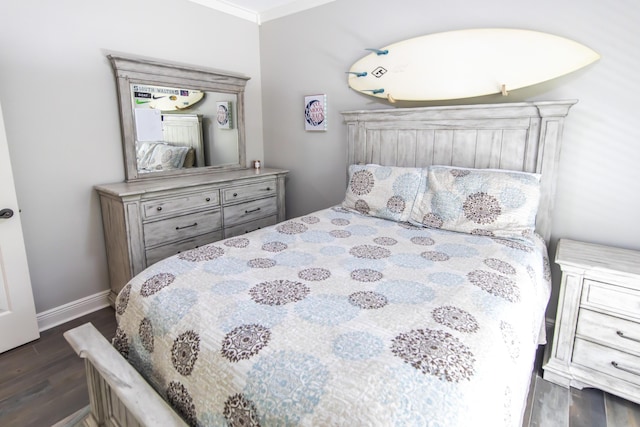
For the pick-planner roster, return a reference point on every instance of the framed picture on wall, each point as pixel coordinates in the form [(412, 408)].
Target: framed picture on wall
[(315, 112), (224, 116)]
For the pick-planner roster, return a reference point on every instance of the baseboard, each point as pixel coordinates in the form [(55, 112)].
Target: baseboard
[(64, 313)]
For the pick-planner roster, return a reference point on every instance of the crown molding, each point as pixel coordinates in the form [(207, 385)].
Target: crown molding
[(231, 9), (267, 15), (290, 9)]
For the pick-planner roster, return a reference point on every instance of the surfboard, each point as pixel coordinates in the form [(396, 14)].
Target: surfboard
[(165, 98), (466, 63)]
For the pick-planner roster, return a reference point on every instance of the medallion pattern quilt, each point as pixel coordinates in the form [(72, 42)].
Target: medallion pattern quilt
[(341, 319)]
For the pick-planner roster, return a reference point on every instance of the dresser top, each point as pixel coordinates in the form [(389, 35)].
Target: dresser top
[(590, 256), (146, 186)]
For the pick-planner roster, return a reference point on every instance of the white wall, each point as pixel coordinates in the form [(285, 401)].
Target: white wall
[(59, 102), (598, 192), (58, 96)]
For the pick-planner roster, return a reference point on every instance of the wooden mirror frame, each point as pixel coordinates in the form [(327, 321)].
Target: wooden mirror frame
[(132, 70)]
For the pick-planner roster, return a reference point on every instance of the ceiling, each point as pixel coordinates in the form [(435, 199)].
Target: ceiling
[(260, 11)]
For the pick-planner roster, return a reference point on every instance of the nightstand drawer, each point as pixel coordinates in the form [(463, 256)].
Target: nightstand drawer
[(160, 207), (598, 319), (261, 189), (244, 212), (181, 227), (608, 361), (617, 299), (161, 252), (608, 330)]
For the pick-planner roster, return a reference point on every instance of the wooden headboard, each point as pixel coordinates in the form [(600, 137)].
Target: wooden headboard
[(522, 136)]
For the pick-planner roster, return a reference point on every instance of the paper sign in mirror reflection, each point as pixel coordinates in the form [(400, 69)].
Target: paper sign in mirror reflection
[(148, 125)]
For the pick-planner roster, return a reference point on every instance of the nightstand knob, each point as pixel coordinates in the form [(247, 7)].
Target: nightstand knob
[(208, 199), (159, 208), (622, 335), (622, 368), (235, 194)]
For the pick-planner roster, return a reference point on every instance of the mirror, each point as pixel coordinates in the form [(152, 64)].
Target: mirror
[(178, 120)]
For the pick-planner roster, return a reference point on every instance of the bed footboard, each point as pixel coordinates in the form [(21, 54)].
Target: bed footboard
[(118, 395)]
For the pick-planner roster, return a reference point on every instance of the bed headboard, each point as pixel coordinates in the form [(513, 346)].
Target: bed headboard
[(522, 136)]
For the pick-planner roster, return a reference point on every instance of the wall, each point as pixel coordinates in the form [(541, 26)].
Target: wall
[(58, 96), (597, 190)]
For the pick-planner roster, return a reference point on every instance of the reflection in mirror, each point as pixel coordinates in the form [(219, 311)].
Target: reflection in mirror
[(179, 119), (181, 128)]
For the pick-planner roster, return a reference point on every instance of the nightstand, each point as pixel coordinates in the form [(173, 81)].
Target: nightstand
[(596, 341)]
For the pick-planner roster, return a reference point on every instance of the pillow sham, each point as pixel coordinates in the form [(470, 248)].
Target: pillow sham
[(490, 202), (382, 191), (157, 156), (190, 158)]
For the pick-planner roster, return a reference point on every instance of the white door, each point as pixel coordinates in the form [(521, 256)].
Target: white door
[(18, 324)]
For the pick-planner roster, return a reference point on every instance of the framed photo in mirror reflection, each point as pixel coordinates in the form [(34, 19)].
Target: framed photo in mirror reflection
[(224, 117)]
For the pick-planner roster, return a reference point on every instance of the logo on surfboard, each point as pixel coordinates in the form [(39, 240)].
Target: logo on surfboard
[(379, 72)]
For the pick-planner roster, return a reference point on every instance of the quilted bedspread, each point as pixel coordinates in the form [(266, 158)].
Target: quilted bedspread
[(340, 319)]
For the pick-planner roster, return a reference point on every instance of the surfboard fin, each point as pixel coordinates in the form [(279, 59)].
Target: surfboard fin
[(503, 90), (360, 74), (378, 51)]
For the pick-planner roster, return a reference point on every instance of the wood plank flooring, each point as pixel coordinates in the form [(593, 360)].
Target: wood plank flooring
[(43, 382), (550, 405)]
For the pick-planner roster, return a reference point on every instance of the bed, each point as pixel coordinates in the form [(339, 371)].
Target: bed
[(419, 300)]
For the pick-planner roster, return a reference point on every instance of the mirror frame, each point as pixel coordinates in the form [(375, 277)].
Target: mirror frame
[(132, 70)]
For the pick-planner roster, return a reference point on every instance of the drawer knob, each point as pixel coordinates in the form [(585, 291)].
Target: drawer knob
[(268, 188), (159, 208), (208, 199), (251, 211), (235, 194), (622, 335)]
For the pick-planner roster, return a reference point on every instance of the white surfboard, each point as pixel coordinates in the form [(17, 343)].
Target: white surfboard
[(466, 63), (176, 102)]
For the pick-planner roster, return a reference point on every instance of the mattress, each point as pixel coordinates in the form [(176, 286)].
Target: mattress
[(338, 318)]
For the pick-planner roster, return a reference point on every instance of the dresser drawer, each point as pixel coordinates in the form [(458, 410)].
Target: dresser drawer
[(249, 211), (617, 299), (241, 229), (161, 252), (608, 330), (181, 227), (602, 359), (259, 189), (166, 206)]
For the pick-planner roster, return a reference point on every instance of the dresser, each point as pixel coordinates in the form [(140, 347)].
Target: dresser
[(596, 339), (146, 221)]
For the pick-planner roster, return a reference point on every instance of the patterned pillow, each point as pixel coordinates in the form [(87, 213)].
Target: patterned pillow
[(382, 191), (157, 156), (489, 202)]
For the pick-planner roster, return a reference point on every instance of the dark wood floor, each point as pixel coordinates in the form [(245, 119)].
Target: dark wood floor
[(555, 406), (43, 382)]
